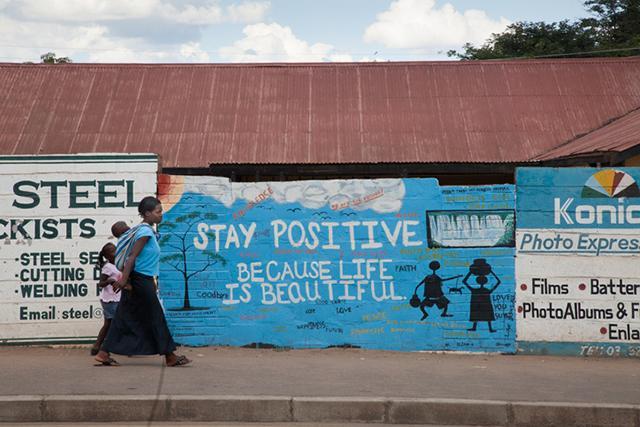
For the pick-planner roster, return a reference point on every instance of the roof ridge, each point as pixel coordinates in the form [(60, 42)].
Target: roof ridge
[(538, 61)]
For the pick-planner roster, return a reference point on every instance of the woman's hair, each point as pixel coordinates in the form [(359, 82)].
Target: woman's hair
[(147, 204), (102, 259)]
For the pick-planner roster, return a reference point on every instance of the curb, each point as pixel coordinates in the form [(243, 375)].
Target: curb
[(314, 409)]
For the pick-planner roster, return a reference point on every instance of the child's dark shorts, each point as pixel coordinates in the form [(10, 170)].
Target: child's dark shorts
[(109, 309)]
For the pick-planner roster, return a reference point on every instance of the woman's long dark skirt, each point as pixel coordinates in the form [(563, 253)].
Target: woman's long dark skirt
[(139, 326)]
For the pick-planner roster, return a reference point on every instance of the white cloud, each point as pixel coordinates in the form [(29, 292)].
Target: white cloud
[(192, 52), (420, 24), (90, 43), (116, 30), (275, 43), (113, 52), (247, 11), (193, 15), (23, 36), (85, 10), (184, 12)]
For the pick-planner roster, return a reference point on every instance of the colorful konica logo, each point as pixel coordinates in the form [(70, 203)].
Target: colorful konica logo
[(610, 183)]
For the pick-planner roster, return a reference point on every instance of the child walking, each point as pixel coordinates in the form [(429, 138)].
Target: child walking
[(109, 298)]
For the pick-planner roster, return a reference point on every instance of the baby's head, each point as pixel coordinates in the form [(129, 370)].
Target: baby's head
[(119, 228)]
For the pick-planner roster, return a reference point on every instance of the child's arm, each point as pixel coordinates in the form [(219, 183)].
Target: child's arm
[(130, 262), (105, 280)]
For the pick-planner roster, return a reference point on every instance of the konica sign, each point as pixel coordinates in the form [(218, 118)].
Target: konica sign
[(577, 249), (601, 214), (584, 201), (579, 197)]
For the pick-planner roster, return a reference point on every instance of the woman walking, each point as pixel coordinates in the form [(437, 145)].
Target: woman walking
[(139, 326)]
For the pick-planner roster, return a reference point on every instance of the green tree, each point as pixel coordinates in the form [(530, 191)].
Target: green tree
[(529, 39), (613, 29), (182, 242), (616, 22), (51, 58)]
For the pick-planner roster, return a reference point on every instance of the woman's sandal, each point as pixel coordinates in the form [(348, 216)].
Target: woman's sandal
[(180, 361), (109, 362)]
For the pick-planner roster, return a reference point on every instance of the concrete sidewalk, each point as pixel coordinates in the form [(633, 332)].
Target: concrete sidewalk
[(334, 385)]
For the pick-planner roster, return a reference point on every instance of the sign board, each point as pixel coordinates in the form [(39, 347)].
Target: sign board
[(578, 261), (56, 213)]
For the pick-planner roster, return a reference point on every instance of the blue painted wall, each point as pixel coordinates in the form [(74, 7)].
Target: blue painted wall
[(336, 263)]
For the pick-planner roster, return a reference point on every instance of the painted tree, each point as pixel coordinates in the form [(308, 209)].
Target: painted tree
[(178, 235)]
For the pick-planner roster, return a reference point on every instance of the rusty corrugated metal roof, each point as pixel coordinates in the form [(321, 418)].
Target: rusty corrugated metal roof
[(615, 137), (195, 115)]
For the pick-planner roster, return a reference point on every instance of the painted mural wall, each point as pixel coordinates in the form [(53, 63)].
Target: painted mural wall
[(55, 215), (397, 264), (578, 261)]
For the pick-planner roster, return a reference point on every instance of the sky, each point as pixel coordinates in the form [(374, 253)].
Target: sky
[(224, 31)]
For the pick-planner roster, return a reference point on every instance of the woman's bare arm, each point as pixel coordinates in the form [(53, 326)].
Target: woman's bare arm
[(130, 262)]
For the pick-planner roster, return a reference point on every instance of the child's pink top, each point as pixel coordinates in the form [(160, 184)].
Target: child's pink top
[(107, 294)]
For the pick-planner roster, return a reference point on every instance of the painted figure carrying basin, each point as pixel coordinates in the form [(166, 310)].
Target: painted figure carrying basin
[(481, 307), (433, 294)]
